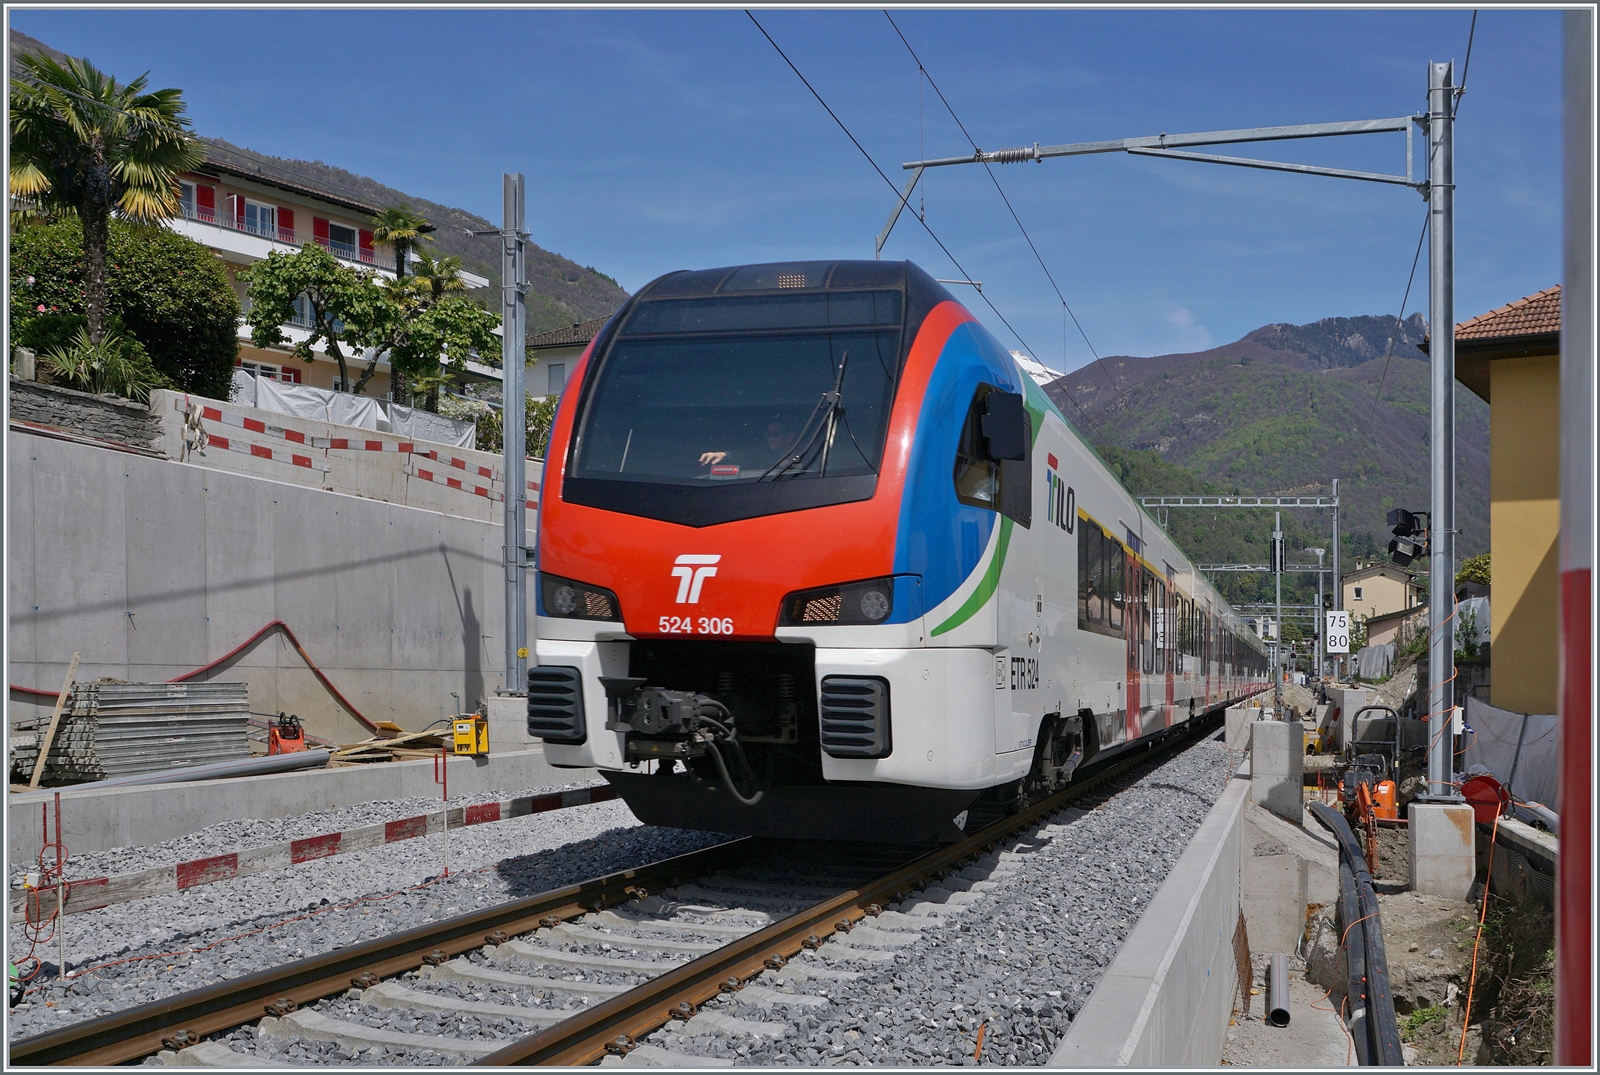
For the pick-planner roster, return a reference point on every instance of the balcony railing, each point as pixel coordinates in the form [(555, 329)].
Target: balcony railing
[(278, 234)]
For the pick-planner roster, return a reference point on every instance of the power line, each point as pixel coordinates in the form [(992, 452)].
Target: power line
[(1399, 322), (890, 184), (1467, 63), (995, 180)]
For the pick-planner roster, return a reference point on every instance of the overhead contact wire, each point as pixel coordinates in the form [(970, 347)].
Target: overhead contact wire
[(1001, 191), (890, 184)]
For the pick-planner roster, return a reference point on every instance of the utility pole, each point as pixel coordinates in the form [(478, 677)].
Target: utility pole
[(513, 319), (1442, 429), (1338, 583), (1277, 630), (1319, 630)]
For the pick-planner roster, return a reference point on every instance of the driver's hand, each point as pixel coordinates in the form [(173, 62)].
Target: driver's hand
[(708, 458)]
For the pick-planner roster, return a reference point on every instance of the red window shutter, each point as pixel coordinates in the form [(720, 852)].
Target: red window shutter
[(286, 223), (206, 198), (292, 373), (365, 238), (319, 230)]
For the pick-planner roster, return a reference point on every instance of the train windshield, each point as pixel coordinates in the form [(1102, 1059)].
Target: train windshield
[(747, 390)]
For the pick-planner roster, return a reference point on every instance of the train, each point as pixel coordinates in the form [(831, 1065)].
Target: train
[(817, 558)]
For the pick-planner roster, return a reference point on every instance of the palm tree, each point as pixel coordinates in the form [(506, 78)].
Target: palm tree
[(81, 141), (435, 278), (402, 227)]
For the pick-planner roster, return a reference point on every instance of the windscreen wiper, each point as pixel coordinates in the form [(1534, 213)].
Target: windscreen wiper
[(808, 436)]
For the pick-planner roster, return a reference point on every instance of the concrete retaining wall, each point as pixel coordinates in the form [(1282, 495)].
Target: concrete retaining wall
[(1166, 999), (151, 568), (97, 820), (100, 417)]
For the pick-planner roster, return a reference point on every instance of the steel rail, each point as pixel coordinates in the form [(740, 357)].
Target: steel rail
[(185, 1018), (616, 1024)]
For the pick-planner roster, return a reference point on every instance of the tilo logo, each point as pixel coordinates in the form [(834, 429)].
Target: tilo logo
[(691, 571), (1061, 507)]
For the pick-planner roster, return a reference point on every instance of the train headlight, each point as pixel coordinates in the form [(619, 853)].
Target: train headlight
[(874, 605), (577, 600), (845, 604)]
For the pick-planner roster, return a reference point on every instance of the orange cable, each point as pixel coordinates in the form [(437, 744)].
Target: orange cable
[(1472, 980)]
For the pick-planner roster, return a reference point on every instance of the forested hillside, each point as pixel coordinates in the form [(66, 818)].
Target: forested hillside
[(1285, 410)]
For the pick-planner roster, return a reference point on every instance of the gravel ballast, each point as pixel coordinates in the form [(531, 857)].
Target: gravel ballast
[(489, 864), (1021, 961), (239, 834)]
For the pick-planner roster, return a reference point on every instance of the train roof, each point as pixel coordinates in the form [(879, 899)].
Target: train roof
[(795, 275)]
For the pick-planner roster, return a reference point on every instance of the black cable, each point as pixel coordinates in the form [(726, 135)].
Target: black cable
[(1399, 322), (1467, 63), (890, 183), (993, 179)]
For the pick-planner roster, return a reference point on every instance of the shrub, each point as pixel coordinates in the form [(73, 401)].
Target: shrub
[(117, 366), (170, 294)]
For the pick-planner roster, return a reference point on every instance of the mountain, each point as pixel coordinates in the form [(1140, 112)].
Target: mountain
[(562, 292), (1284, 410)]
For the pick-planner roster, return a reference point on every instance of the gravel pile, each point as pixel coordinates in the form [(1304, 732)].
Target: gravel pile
[(489, 864), (242, 833), (1022, 961)]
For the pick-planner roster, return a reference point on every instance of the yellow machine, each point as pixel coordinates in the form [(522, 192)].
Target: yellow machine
[(471, 733)]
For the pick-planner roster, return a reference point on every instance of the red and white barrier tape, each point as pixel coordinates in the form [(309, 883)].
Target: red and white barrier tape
[(454, 483), (262, 451), (350, 444), (96, 892)]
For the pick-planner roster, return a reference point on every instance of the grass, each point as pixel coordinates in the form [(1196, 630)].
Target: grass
[(1417, 1020)]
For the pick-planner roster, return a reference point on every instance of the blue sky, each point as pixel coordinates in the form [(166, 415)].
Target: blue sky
[(658, 140)]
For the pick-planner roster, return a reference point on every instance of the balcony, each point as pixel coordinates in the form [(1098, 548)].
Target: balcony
[(272, 235)]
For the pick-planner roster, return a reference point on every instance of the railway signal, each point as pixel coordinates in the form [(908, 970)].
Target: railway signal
[(1408, 525)]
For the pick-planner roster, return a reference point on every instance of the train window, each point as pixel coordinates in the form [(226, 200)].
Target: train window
[(1116, 583), (1096, 552), (1162, 625), (1146, 624), (1003, 485)]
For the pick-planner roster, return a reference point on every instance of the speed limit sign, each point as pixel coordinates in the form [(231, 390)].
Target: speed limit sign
[(1338, 632)]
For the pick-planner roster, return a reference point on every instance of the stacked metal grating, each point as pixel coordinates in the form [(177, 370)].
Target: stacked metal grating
[(117, 729)]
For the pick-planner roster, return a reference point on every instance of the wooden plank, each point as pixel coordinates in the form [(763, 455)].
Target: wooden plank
[(55, 719)]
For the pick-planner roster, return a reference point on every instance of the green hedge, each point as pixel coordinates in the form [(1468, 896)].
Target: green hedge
[(169, 292)]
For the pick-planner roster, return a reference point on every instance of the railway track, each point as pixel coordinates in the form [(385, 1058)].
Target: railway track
[(581, 973)]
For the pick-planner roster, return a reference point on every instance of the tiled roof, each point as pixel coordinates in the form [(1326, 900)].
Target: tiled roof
[(578, 332), (234, 161), (1531, 316)]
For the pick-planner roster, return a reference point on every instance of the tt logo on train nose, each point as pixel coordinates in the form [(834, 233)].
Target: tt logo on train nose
[(691, 571)]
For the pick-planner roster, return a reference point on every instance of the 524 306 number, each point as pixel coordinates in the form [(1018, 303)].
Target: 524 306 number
[(703, 625)]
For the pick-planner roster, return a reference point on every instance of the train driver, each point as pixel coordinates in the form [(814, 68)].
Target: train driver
[(778, 439)]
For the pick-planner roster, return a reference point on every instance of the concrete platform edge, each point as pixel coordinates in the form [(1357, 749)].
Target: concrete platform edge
[(1166, 998), (149, 814)]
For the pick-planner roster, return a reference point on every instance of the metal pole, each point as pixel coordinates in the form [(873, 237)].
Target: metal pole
[(513, 307), (1338, 583), (1277, 630), (1574, 867), (1442, 428)]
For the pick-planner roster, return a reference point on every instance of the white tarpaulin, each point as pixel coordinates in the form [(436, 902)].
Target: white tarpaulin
[(421, 425), (1529, 770), (303, 401), (244, 388)]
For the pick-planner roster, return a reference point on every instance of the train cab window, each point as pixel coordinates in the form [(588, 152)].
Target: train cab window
[(1099, 580), (984, 481)]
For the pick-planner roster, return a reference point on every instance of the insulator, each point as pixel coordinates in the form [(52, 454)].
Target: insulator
[(1011, 156)]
